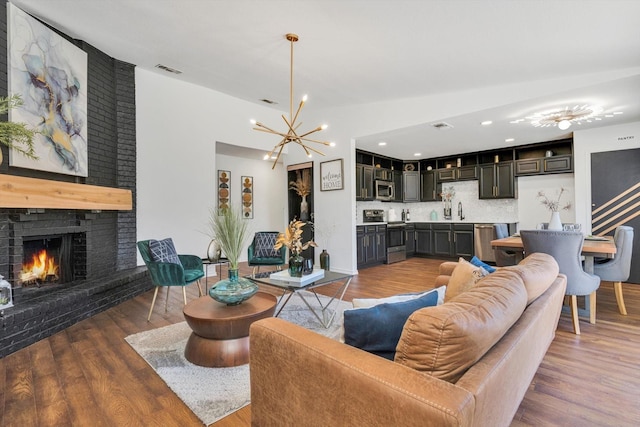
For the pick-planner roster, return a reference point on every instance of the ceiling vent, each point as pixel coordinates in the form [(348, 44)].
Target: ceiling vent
[(268, 101), (168, 69), (442, 125)]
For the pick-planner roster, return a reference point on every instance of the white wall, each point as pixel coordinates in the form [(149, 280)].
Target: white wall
[(610, 138), (178, 125), (531, 211)]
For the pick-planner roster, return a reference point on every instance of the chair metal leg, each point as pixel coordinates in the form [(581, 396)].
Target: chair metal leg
[(184, 293), (574, 314), (166, 302), (155, 294), (617, 287)]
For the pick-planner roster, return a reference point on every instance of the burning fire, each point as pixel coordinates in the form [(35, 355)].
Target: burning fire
[(42, 267)]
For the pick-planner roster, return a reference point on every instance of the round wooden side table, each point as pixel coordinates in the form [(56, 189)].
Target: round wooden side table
[(220, 336)]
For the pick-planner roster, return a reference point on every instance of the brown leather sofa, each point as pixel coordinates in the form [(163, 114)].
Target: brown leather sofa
[(299, 377)]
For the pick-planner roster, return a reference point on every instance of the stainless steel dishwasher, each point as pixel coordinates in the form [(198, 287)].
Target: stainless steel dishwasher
[(482, 237)]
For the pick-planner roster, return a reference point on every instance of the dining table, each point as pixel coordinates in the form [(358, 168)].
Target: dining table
[(592, 247)]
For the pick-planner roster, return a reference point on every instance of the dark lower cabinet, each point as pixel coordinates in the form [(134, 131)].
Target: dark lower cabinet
[(463, 240), (371, 244), (410, 239), (442, 240), (424, 239)]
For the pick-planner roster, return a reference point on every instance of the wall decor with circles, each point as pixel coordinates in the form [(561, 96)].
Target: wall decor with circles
[(247, 197), (224, 190)]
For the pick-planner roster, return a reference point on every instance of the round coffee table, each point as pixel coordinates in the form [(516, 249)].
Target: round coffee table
[(220, 336)]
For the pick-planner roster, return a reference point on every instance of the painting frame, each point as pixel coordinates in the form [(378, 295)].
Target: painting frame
[(50, 74), (246, 184), (332, 175), (224, 190)]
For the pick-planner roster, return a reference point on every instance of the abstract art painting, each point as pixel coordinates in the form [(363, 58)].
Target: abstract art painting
[(247, 197), (50, 75)]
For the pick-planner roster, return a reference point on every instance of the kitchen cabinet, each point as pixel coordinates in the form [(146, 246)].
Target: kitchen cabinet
[(411, 186), (397, 186), (371, 244), (452, 240), (546, 158), (364, 182), (497, 181), (463, 240), (442, 242), (428, 186), (424, 239), (410, 239)]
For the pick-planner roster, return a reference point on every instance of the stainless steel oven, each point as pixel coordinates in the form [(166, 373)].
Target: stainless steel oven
[(396, 249)]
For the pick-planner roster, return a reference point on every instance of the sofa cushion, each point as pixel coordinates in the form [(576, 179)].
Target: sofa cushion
[(370, 302), (377, 329), (463, 278), (446, 340), (537, 271), (478, 263), (164, 251)]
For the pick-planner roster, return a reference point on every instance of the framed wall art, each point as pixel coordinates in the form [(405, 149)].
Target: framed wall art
[(247, 197), (49, 73), (224, 190), (331, 175)]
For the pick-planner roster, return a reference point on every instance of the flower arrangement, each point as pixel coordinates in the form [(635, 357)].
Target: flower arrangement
[(448, 193), (302, 184), (553, 204), (292, 238), (230, 230)]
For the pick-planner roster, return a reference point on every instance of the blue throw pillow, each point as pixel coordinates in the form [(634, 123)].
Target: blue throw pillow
[(475, 261), (377, 329), (164, 251)]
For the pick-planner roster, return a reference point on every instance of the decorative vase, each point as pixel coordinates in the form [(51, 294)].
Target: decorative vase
[(295, 265), (234, 290), (304, 209), (447, 209), (555, 223), (213, 251), (307, 266), (325, 260)]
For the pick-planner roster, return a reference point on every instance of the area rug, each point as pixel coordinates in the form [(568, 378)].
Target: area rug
[(213, 393)]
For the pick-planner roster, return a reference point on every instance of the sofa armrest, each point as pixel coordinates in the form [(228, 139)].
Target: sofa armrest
[(447, 267), (299, 377)]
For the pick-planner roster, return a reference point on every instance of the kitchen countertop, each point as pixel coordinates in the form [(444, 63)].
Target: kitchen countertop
[(441, 221)]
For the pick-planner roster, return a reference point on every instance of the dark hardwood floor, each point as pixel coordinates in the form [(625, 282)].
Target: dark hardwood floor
[(87, 375)]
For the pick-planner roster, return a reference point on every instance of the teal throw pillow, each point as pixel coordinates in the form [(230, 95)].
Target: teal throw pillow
[(476, 261), (377, 329)]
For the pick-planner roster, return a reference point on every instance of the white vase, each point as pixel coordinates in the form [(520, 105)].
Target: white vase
[(555, 223), (304, 209)]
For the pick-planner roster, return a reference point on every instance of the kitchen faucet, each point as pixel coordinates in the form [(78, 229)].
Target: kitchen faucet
[(460, 211)]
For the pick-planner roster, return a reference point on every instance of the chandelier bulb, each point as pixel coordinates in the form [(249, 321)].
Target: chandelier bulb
[(324, 126), (253, 122), (564, 124), (304, 98)]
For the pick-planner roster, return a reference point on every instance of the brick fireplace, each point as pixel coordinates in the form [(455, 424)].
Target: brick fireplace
[(99, 243)]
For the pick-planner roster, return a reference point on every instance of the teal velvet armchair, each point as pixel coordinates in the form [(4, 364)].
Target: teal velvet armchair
[(167, 268), (261, 252)]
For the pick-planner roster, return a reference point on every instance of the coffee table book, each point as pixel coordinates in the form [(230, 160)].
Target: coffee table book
[(283, 276)]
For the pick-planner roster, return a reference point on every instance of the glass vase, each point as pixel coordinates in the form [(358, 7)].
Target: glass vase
[(234, 290), (296, 263)]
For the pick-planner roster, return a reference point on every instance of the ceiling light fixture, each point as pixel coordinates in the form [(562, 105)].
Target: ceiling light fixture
[(291, 135), (564, 117)]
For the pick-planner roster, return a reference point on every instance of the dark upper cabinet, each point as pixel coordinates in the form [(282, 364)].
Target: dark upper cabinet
[(397, 186), (428, 186), (466, 173), (411, 186), (497, 181), (545, 158), (364, 182), (448, 174)]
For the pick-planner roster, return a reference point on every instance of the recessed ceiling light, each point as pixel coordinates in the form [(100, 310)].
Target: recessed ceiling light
[(486, 123), (509, 140), (516, 121), (617, 112), (381, 143), (417, 154)]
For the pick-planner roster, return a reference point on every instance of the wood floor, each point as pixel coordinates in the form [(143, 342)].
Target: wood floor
[(87, 375)]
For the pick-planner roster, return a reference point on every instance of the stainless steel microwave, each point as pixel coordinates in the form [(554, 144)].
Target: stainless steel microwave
[(384, 190)]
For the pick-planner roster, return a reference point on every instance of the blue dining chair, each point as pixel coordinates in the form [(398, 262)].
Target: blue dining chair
[(566, 248), (618, 269)]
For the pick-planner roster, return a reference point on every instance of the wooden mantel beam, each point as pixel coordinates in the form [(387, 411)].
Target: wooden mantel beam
[(21, 192)]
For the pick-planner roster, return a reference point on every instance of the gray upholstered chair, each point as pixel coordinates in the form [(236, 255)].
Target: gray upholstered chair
[(503, 257), (565, 247), (617, 270)]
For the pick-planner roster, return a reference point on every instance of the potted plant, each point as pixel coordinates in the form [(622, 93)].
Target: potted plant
[(16, 136), (230, 230), (292, 239)]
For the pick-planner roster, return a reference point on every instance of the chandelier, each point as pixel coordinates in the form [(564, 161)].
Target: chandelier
[(564, 117), (291, 135)]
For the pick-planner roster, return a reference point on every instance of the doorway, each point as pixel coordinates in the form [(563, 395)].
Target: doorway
[(300, 206), (615, 197)]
